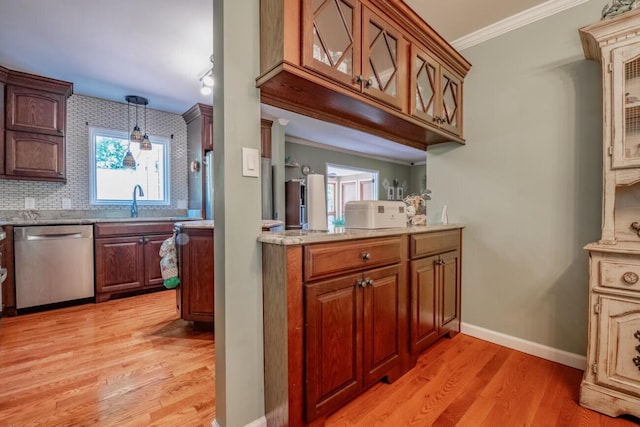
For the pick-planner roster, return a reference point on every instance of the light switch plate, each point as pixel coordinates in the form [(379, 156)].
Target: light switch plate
[(250, 162), (29, 203), (66, 203)]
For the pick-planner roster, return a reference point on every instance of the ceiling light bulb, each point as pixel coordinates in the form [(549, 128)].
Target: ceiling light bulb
[(205, 90), (208, 80)]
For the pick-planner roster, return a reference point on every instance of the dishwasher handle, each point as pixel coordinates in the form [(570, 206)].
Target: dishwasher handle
[(54, 236)]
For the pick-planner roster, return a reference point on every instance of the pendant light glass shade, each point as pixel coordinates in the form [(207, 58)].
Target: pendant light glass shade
[(136, 134), (129, 162), (145, 144)]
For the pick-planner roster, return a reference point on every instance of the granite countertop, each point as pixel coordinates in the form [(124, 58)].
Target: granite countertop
[(81, 221), (267, 223), (300, 237), (79, 217)]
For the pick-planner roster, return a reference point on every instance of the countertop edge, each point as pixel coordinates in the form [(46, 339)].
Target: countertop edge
[(301, 237)]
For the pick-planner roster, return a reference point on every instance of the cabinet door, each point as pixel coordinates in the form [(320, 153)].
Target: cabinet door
[(625, 93), (152, 273), (207, 132), (425, 85), (8, 287), (197, 276), (119, 264), (333, 313), (449, 293), (331, 39), (35, 156), (618, 364), (424, 293), (451, 102), (382, 299), (383, 60), (33, 110)]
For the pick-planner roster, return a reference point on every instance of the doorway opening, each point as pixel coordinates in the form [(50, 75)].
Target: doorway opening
[(347, 183)]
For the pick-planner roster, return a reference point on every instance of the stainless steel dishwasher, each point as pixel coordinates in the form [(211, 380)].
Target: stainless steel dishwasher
[(53, 264)]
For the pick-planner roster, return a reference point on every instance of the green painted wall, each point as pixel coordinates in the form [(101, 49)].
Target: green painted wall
[(528, 183)]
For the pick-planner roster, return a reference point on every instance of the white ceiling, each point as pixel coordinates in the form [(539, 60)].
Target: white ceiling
[(160, 48)]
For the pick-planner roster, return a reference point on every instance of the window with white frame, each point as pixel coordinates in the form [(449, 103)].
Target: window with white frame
[(112, 184)]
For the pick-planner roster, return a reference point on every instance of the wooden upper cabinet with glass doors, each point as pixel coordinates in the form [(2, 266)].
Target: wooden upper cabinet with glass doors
[(436, 93), (349, 62), (626, 106), (349, 43)]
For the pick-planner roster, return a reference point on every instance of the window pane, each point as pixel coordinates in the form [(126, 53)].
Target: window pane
[(113, 183)]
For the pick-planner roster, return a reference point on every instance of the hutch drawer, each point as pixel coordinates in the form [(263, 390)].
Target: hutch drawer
[(620, 273)]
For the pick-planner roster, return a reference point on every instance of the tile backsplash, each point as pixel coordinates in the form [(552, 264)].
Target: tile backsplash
[(82, 112)]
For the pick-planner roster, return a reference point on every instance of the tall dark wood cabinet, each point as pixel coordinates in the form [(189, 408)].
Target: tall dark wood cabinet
[(295, 205), (199, 119), (265, 138), (33, 145)]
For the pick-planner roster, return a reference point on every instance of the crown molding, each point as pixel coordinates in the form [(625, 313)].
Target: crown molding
[(526, 17)]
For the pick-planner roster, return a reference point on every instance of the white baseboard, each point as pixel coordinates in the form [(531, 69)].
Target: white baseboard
[(260, 422), (559, 356)]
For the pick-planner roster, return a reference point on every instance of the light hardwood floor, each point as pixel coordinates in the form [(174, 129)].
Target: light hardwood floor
[(133, 362)]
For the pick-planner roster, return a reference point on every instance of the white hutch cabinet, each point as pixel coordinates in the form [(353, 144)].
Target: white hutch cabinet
[(611, 382)]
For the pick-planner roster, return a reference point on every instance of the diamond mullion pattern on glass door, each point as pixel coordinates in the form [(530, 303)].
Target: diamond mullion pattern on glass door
[(382, 58), (332, 49), (450, 102), (425, 75)]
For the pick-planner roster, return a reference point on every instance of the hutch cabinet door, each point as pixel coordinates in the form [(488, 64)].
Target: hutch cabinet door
[(381, 322), (625, 95), (331, 39), (333, 324), (618, 363), (383, 60)]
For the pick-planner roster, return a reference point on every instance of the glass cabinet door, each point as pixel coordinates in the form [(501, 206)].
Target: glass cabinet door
[(425, 75), (331, 39), (383, 60), (451, 113), (626, 106)]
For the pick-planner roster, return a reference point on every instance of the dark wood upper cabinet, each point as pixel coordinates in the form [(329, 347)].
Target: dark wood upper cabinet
[(199, 120), (349, 62), (265, 138), (32, 145)]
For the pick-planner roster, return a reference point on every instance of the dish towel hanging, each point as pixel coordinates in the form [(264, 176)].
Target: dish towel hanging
[(169, 263)]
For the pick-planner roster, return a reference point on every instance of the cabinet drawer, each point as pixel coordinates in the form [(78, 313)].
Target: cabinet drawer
[(134, 228), (327, 259), (434, 243), (622, 273)]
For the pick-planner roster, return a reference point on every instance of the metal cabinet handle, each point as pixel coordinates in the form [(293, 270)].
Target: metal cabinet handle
[(358, 79), (361, 283), (369, 282), (635, 226), (630, 278), (141, 241), (365, 256), (368, 83)]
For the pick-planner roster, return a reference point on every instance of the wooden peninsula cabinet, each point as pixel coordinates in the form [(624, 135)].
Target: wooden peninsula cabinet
[(356, 63), (7, 261), (33, 144), (341, 312), (127, 257), (195, 294)]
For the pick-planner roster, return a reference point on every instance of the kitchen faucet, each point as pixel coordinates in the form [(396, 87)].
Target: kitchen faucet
[(134, 204)]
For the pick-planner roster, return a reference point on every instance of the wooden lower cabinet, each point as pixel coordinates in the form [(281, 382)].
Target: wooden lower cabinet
[(351, 313), (435, 298), (352, 336), (130, 260), (9, 286), (195, 294)]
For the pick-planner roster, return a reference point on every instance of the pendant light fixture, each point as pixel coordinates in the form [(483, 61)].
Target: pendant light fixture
[(129, 162), (136, 133), (145, 144)]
